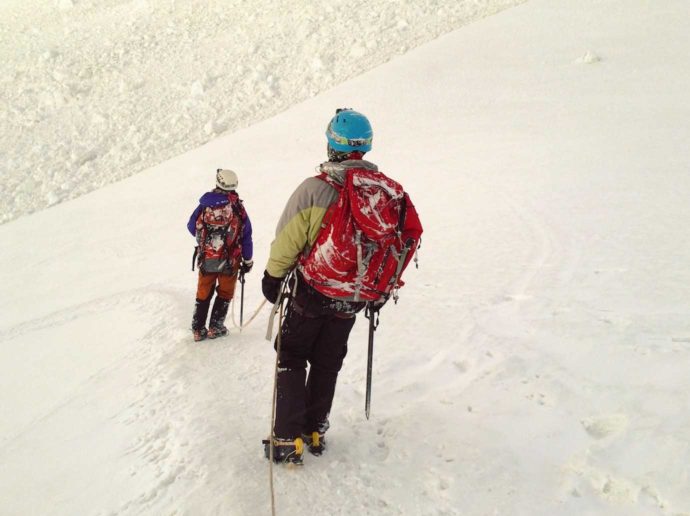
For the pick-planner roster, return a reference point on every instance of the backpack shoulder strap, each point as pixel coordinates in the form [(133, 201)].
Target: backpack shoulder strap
[(328, 216), (237, 206), (329, 180), (403, 213), (239, 213)]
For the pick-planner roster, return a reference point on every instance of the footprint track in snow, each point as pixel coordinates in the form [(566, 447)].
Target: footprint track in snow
[(602, 427)]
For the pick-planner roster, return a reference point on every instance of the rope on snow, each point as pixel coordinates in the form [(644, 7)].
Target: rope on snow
[(256, 312)]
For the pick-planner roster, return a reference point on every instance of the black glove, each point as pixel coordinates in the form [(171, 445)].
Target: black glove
[(270, 286), (246, 266)]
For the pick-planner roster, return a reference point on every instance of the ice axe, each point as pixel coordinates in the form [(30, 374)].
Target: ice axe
[(372, 313), (241, 278)]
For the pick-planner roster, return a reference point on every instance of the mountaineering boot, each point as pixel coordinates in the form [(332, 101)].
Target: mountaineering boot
[(316, 443), (285, 451), (200, 335), (216, 328), (199, 318), (217, 332)]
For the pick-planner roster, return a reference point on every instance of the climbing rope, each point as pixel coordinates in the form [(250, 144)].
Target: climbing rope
[(273, 413), (277, 308), (256, 312)]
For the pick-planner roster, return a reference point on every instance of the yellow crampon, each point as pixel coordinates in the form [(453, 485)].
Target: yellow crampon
[(299, 446), (284, 451)]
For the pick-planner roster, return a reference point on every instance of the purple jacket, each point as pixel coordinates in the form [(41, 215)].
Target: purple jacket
[(219, 199)]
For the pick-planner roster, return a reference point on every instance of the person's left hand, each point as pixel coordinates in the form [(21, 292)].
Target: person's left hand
[(270, 286), (246, 266)]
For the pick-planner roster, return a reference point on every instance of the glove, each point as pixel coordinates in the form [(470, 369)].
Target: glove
[(270, 286), (246, 266)]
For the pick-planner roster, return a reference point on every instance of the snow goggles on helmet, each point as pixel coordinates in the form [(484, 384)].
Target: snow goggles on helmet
[(352, 142)]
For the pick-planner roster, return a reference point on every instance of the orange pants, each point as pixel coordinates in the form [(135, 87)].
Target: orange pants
[(226, 285)]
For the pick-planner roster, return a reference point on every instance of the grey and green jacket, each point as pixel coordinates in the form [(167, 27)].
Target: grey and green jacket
[(300, 223)]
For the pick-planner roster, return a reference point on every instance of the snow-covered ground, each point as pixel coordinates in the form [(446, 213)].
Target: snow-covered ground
[(538, 362), (94, 91)]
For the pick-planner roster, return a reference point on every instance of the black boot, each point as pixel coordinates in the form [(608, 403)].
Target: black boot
[(316, 443), (285, 450), (216, 327), (199, 318)]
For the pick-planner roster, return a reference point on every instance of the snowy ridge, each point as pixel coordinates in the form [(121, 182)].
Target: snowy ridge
[(97, 90), (536, 364)]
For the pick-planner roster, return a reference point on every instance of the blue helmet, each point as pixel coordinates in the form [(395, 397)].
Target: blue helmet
[(349, 131)]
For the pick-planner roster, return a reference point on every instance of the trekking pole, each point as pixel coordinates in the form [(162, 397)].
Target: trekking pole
[(241, 297), (372, 314)]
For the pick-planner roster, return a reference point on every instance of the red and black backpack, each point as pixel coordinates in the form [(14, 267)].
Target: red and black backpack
[(362, 248), (219, 236)]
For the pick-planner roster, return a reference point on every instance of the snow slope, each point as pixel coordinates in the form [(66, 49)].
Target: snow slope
[(536, 364), (94, 91)]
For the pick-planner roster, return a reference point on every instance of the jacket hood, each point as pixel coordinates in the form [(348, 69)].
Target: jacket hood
[(336, 170), (214, 199)]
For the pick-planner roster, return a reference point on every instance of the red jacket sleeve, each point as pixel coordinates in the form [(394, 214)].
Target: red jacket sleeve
[(412, 227)]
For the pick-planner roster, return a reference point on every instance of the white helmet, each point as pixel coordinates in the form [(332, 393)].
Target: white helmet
[(226, 179)]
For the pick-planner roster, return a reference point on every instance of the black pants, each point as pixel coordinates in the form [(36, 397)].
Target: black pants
[(304, 403)]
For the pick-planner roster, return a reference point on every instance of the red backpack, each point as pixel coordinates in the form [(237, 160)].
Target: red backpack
[(218, 233), (359, 253)]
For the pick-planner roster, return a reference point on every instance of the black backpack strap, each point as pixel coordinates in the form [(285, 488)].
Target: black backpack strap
[(237, 207), (403, 213), (200, 240), (240, 213)]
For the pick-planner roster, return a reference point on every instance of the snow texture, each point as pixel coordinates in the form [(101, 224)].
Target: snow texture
[(537, 363), (94, 91)]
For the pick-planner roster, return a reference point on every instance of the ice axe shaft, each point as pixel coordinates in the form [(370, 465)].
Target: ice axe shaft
[(241, 298), (372, 315)]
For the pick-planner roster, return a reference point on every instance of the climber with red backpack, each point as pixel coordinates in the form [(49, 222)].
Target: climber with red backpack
[(341, 244), (224, 251)]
